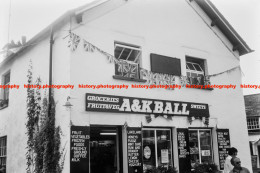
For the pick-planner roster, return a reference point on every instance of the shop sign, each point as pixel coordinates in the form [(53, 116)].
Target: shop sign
[(223, 145), (134, 150), (119, 104), (79, 149), (183, 150)]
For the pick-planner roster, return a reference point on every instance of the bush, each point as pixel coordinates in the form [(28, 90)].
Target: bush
[(162, 169), (206, 168)]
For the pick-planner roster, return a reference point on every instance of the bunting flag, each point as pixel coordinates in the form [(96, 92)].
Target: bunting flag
[(88, 47), (183, 80), (152, 78), (73, 41), (205, 120), (151, 117), (127, 69), (157, 78)]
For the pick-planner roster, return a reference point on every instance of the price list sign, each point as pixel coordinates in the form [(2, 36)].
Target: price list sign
[(223, 145), (134, 150), (183, 150), (79, 149)]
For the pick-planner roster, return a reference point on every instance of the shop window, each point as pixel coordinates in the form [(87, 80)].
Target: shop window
[(5, 92), (157, 148), (253, 123), (128, 57), (195, 70), (200, 147), (165, 65), (3, 151)]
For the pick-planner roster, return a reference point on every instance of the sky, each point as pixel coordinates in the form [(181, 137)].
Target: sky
[(28, 17)]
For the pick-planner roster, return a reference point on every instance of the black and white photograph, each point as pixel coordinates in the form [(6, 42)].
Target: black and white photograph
[(129, 86)]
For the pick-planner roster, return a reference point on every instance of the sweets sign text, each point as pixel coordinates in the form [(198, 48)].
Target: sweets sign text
[(120, 104)]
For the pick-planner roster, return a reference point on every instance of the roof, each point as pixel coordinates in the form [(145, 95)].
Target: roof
[(213, 13), (219, 20)]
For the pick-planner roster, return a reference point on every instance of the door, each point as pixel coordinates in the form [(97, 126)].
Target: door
[(104, 149)]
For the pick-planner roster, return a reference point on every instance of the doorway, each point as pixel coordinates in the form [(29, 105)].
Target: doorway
[(104, 149)]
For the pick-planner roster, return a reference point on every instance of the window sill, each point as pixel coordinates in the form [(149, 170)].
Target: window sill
[(128, 79), (209, 89), (4, 106)]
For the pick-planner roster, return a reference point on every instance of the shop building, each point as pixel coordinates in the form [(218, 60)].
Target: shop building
[(133, 44), (252, 116)]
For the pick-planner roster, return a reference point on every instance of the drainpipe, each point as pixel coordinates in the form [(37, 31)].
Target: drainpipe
[(50, 70)]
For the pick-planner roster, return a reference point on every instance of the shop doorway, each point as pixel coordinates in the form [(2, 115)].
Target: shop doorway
[(105, 149)]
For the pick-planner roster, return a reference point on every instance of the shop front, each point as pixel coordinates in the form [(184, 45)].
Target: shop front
[(136, 149)]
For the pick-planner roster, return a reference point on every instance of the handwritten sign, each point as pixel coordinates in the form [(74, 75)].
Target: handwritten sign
[(165, 156), (223, 145), (183, 150), (134, 150), (79, 149)]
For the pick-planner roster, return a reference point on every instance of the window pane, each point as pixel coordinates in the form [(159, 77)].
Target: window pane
[(164, 157), (190, 66), (205, 147), (194, 150), (149, 149), (118, 51), (197, 67), (7, 78)]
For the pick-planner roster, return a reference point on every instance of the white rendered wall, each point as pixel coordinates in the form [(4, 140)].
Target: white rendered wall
[(170, 28)]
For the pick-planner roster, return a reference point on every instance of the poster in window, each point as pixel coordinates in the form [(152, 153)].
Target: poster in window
[(79, 149), (183, 150), (205, 152), (134, 150), (165, 156), (223, 145)]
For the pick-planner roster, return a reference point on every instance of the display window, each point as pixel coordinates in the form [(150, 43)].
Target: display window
[(200, 143), (157, 148)]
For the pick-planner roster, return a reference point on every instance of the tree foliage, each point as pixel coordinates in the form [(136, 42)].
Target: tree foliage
[(43, 144)]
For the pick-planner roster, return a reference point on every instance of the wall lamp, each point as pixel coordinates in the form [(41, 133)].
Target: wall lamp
[(68, 104)]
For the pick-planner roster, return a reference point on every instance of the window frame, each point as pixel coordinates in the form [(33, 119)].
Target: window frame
[(5, 93), (202, 65), (253, 126), (136, 62), (155, 143), (3, 150), (199, 146)]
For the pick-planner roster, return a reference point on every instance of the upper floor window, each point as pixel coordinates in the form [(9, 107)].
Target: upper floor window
[(195, 70), (128, 57), (165, 65), (253, 123), (3, 151), (5, 92)]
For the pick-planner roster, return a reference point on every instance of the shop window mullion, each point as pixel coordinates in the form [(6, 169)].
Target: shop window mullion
[(199, 145), (155, 142)]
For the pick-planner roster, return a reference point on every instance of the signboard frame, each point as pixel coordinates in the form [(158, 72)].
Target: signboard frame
[(134, 136), (223, 149), (123, 104), (79, 145)]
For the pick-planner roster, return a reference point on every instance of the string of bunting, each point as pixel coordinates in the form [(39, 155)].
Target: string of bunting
[(151, 117), (150, 77), (130, 70)]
